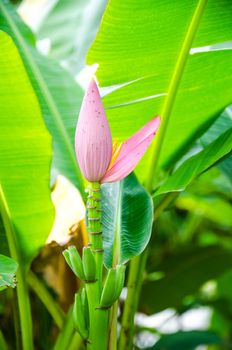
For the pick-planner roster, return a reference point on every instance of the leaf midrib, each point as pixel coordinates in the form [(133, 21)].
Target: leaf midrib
[(172, 91), (46, 93)]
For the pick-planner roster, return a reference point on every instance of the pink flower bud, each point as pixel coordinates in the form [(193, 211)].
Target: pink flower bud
[(93, 142)]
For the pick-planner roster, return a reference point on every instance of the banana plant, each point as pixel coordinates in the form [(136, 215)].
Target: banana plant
[(155, 59)]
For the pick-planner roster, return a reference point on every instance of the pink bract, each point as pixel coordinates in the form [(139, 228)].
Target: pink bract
[(93, 142), (132, 151)]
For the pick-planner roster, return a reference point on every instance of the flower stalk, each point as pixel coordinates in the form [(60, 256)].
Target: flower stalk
[(98, 317), (95, 227)]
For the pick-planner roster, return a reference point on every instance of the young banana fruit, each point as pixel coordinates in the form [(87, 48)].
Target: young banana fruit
[(80, 316), (74, 261), (113, 286), (89, 264)]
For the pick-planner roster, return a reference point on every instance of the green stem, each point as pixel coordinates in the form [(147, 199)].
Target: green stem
[(38, 287), (164, 203), (133, 297), (24, 309), (16, 320), (76, 342), (101, 330), (99, 337), (68, 334), (22, 288), (3, 344), (98, 318), (134, 285), (172, 91), (93, 303), (113, 327)]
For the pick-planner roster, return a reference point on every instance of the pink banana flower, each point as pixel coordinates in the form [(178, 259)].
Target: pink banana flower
[(99, 159)]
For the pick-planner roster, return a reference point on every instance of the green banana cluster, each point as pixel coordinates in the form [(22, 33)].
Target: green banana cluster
[(113, 286), (81, 314), (84, 268)]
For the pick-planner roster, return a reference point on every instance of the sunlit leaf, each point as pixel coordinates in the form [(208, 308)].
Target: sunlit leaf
[(58, 94), (71, 27), (25, 157)]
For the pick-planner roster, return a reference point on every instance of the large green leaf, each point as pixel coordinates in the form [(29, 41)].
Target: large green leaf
[(8, 268), (198, 163), (127, 220), (71, 27), (58, 94), (25, 157), (139, 48), (186, 340), (183, 274)]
